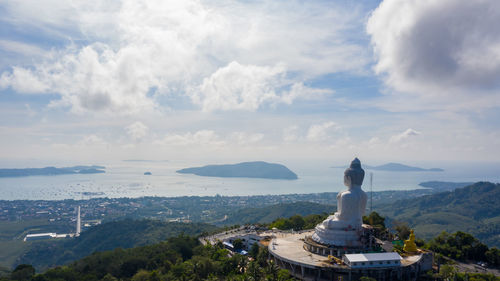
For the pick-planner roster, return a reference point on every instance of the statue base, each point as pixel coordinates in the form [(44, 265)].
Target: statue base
[(323, 249), (359, 238), (338, 237)]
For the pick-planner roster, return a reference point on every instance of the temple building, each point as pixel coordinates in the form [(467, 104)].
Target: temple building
[(343, 248)]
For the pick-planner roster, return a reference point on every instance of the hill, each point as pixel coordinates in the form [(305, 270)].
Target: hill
[(474, 209), (108, 236), (271, 213), (51, 171), (178, 258), (257, 169), (444, 185)]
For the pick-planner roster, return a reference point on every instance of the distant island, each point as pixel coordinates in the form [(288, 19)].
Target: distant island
[(51, 171), (444, 185), (397, 167), (257, 169)]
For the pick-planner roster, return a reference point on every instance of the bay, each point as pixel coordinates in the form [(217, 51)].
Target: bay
[(127, 179)]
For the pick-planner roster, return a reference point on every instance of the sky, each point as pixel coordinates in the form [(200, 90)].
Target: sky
[(217, 81)]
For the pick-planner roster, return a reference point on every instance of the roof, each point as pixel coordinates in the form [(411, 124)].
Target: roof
[(41, 234), (373, 257)]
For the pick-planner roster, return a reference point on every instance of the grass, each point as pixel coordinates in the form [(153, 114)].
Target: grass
[(11, 250), (12, 234)]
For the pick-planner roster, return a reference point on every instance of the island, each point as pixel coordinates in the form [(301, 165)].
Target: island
[(444, 185), (147, 173), (51, 171), (397, 167), (258, 169)]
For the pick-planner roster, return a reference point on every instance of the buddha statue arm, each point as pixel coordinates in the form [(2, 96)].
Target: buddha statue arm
[(362, 205), (339, 203)]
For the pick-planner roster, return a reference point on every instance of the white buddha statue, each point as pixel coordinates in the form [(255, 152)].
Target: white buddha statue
[(343, 228)]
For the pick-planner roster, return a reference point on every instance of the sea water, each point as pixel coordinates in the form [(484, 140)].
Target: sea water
[(127, 179)]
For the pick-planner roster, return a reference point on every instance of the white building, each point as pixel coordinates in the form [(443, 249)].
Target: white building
[(40, 236), (371, 260), (248, 239)]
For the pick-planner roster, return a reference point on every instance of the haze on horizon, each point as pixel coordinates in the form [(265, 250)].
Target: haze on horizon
[(387, 80)]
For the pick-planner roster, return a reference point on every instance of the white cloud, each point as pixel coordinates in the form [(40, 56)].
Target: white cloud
[(139, 50), (91, 140), (137, 130), (445, 52), (21, 48), (202, 137), (321, 132), (373, 141), (23, 81), (210, 138), (237, 86), (243, 138), (247, 87), (290, 134), (408, 134)]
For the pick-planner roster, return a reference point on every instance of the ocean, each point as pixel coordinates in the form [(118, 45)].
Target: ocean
[(127, 179)]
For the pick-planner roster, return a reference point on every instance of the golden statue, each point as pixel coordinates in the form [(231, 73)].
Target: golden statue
[(410, 246)]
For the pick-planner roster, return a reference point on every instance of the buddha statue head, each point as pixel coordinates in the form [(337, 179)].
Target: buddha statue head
[(354, 175)]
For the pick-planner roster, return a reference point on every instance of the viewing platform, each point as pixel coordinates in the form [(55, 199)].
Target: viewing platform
[(290, 252)]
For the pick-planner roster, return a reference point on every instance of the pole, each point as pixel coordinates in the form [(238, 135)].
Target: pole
[(371, 192)]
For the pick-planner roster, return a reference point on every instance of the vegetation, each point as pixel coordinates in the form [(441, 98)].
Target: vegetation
[(473, 209), (375, 220), (178, 258), (270, 213), (108, 236), (258, 169), (463, 246), (298, 222)]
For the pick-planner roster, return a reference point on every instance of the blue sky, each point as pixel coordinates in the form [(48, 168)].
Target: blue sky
[(388, 80)]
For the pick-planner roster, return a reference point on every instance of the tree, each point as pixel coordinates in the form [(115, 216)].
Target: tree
[(297, 222), (23, 272), (109, 277), (254, 271), (254, 250), (493, 256), (374, 219), (238, 244), (402, 229), (447, 271)]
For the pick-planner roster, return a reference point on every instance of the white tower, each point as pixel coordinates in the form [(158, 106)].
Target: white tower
[(78, 223)]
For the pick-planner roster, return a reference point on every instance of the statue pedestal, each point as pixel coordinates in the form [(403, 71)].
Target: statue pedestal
[(338, 237)]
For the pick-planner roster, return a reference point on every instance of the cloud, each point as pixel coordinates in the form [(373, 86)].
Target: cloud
[(202, 137), (321, 132), (247, 87), (210, 138), (290, 134), (21, 48), (120, 56), (408, 134), (242, 138), (91, 140), (373, 141), (23, 81), (137, 130), (445, 51)]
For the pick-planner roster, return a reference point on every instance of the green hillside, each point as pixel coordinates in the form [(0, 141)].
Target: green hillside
[(474, 209), (271, 213), (108, 236), (177, 258)]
